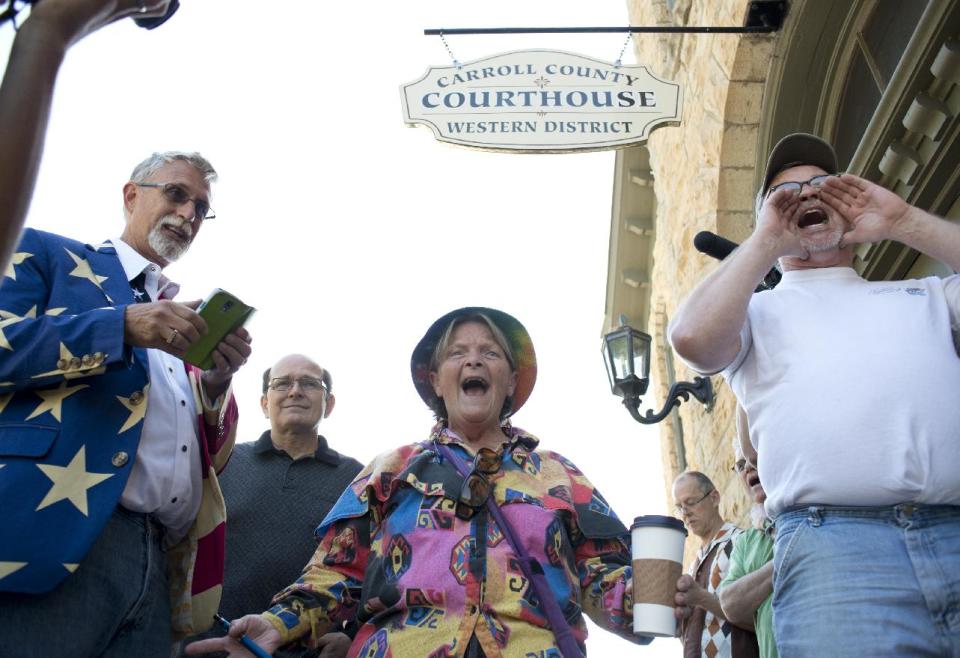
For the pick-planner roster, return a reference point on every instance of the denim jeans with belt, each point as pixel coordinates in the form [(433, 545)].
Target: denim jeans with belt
[(867, 581), (116, 604)]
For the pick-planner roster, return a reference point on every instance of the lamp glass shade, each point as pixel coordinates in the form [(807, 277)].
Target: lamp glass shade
[(626, 355)]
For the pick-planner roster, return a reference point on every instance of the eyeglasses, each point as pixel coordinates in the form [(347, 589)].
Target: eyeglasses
[(684, 508), (307, 384), (178, 195), (740, 465), (476, 487), (797, 186)]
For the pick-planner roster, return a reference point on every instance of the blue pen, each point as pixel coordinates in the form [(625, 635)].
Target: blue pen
[(254, 648)]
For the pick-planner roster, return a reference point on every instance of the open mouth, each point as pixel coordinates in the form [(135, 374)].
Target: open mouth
[(753, 480), (812, 217), (474, 386)]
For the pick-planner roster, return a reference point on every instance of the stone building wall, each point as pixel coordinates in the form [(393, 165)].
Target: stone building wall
[(703, 171)]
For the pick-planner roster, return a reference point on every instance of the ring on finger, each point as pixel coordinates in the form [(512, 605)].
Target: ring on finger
[(173, 337)]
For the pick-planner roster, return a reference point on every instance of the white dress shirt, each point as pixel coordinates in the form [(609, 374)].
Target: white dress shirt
[(165, 479)]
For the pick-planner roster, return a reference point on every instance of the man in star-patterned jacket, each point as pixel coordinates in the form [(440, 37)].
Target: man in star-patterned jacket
[(112, 522)]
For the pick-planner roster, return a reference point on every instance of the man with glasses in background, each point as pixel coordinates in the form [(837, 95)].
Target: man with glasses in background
[(850, 387), (705, 631), (278, 490), (111, 528)]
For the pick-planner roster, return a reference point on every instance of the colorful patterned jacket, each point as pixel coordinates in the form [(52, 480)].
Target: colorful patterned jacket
[(422, 581), (72, 401)]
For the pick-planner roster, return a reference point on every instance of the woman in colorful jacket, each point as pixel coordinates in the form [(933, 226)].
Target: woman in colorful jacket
[(411, 551)]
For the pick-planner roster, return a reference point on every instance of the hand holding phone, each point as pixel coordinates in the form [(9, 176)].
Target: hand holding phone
[(224, 314)]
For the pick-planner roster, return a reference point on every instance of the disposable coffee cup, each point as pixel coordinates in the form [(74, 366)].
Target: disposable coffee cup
[(657, 553)]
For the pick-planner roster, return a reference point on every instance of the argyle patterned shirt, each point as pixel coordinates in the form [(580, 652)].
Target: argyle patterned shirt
[(704, 634)]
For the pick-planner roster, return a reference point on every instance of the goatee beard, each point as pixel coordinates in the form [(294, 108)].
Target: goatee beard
[(167, 248), (824, 242)]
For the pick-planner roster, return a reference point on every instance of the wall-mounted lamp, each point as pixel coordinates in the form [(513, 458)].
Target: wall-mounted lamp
[(626, 353)]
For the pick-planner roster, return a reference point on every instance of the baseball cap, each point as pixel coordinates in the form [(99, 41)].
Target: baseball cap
[(799, 149)]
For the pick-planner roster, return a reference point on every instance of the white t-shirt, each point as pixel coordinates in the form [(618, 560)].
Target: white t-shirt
[(852, 388)]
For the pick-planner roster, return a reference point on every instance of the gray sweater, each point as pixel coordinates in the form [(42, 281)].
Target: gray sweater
[(274, 504)]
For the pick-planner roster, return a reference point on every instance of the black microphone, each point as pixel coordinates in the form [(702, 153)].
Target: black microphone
[(151, 23), (712, 244), (719, 247)]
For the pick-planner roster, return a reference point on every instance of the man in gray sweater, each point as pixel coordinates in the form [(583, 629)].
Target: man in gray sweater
[(279, 489)]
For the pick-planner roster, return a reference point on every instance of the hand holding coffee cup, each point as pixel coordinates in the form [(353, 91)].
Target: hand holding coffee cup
[(686, 597), (657, 551)]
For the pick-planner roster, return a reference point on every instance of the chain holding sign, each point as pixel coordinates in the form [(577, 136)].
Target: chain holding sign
[(541, 101)]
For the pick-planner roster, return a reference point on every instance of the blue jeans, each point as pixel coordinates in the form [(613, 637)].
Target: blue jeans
[(117, 604), (864, 581)]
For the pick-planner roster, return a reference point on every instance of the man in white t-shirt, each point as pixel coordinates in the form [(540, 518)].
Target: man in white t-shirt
[(851, 391)]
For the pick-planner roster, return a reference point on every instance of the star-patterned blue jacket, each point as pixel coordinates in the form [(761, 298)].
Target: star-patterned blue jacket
[(72, 400)]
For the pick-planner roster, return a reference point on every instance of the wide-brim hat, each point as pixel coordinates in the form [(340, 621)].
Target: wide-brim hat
[(799, 149), (517, 337)]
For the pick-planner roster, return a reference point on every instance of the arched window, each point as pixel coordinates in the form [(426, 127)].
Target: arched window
[(874, 51)]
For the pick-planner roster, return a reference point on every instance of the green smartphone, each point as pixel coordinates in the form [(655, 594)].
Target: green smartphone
[(223, 314)]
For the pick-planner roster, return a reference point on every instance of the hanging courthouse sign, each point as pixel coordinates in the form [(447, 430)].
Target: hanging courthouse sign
[(541, 101)]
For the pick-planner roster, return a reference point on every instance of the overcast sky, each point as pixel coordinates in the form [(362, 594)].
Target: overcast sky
[(350, 232)]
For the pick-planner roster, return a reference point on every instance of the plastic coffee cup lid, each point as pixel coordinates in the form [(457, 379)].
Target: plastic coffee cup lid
[(657, 521)]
